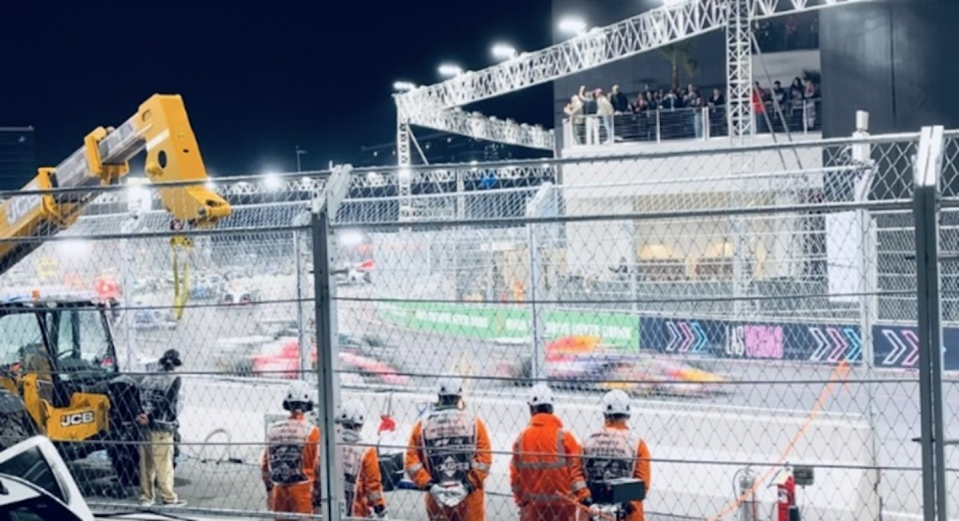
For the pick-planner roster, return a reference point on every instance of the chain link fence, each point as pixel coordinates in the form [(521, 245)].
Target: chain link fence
[(758, 305)]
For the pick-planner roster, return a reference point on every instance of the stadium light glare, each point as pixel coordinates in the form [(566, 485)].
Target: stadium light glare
[(351, 238), (572, 25), (403, 86), (74, 248), (272, 181), (673, 3), (501, 51), (449, 70)]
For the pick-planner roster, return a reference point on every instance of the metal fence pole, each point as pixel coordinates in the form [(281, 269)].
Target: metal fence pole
[(535, 208), (129, 292), (325, 205), (925, 200), (868, 302), (299, 250)]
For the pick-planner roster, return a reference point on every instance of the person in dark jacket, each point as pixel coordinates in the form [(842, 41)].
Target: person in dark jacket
[(159, 396)]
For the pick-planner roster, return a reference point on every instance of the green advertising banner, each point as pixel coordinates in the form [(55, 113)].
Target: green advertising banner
[(511, 322)]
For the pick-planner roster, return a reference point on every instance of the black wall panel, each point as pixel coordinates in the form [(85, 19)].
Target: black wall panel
[(893, 58)]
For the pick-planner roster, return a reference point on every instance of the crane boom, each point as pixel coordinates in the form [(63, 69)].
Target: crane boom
[(161, 128)]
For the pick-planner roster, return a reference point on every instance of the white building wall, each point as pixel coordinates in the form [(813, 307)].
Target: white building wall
[(642, 178)]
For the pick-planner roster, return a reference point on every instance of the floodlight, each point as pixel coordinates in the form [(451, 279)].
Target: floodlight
[(449, 70), (503, 52), (572, 25), (272, 181), (403, 86)]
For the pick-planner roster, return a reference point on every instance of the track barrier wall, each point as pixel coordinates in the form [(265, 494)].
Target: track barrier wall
[(658, 274)]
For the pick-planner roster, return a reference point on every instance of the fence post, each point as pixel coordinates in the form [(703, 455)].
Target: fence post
[(299, 251), (325, 205), (543, 204), (929, 315), (868, 304)]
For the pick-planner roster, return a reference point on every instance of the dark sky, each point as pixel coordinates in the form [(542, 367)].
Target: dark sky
[(258, 79)]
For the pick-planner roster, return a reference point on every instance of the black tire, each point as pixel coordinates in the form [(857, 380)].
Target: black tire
[(13, 431), (525, 374), (125, 455)]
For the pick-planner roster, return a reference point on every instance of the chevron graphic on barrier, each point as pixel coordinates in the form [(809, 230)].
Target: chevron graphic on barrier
[(822, 344), (841, 345), (675, 337), (913, 340), (899, 347), (701, 339), (855, 351), (834, 344), (688, 337), (905, 346)]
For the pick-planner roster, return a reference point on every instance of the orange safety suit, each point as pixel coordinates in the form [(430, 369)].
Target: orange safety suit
[(546, 472), (451, 446), (613, 452), (362, 482), (291, 465)]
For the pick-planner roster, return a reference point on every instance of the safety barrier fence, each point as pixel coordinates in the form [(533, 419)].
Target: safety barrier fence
[(311, 276), (655, 125)]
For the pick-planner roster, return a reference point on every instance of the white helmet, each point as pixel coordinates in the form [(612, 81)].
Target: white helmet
[(616, 402), (449, 386), (351, 412), (540, 394), (299, 392)]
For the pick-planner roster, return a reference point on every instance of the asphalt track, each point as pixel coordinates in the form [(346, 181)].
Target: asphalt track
[(224, 418)]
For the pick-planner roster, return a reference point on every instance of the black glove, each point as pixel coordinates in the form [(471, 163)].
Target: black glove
[(629, 508), (586, 501), (380, 510), (468, 485), (269, 487)]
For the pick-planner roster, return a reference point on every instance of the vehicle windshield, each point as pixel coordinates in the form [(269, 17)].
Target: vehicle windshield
[(76, 335)]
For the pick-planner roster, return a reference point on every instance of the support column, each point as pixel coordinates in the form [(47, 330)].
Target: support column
[(929, 313), (739, 70), (325, 205), (404, 177)]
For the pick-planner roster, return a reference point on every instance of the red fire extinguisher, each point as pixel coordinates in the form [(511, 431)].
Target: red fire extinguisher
[(787, 510)]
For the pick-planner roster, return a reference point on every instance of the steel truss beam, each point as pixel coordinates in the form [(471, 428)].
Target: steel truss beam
[(478, 126), (652, 29)]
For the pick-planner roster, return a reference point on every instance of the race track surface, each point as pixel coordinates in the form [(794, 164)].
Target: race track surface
[(770, 413)]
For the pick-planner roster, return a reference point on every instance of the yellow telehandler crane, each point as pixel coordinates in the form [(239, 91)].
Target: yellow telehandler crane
[(59, 374)]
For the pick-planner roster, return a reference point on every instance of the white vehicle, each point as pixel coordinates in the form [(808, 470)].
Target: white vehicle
[(353, 276), (232, 296), (37, 484)]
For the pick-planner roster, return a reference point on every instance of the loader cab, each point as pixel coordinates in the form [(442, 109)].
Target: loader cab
[(57, 344)]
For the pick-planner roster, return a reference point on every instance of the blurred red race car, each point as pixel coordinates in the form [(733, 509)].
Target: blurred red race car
[(583, 363), (280, 359)]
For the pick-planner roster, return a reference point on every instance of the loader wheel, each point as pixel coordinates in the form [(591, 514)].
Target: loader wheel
[(125, 456), (12, 431)]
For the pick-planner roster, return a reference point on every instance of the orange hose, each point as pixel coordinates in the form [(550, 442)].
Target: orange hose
[(839, 374)]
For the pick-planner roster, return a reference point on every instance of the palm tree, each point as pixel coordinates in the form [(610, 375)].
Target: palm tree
[(680, 55)]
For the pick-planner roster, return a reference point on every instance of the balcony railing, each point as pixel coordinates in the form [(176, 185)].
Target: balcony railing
[(657, 125)]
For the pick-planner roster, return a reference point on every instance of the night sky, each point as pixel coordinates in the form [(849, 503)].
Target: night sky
[(258, 79)]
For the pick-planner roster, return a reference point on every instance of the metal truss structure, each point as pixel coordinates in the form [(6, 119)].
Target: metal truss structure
[(650, 30), (436, 106)]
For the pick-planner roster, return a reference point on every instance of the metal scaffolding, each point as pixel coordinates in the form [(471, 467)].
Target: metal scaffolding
[(432, 106)]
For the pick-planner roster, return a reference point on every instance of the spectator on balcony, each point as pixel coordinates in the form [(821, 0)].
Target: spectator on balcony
[(717, 112), (574, 111), (619, 100), (759, 98), (645, 117), (694, 102), (779, 98), (605, 111), (810, 96), (590, 113), (796, 104)]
